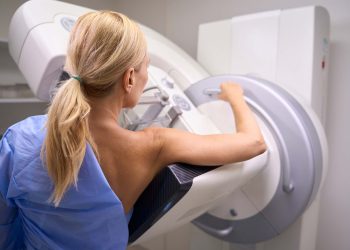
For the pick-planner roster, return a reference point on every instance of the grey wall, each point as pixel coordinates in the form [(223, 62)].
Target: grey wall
[(7, 8)]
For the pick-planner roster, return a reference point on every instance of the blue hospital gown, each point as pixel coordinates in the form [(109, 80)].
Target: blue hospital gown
[(90, 216)]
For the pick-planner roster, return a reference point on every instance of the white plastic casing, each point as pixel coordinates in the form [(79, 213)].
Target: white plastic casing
[(288, 47), (38, 38)]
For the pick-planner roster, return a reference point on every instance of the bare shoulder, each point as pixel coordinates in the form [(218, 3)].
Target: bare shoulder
[(159, 136), (152, 137), (161, 133), (145, 143)]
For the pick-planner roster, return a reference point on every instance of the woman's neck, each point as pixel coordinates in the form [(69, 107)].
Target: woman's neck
[(106, 108)]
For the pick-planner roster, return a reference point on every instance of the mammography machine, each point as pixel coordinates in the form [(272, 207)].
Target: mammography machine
[(244, 203)]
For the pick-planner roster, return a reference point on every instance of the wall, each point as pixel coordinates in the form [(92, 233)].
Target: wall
[(179, 20), (7, 8), (9, 72)]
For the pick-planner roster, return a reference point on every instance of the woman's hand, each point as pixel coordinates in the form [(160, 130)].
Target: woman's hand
[(230, 91)]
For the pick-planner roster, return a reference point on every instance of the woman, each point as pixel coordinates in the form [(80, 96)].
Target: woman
[(68, 186)]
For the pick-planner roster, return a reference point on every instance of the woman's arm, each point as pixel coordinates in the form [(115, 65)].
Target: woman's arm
[(181, 146)]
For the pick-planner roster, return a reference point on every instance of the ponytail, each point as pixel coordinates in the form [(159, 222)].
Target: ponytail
[(102, 46), (67, 134)]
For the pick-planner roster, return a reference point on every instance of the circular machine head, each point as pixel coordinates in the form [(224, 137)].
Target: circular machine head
[(301, 151)]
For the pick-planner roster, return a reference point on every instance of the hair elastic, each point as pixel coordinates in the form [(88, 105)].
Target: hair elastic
[(77, 78)]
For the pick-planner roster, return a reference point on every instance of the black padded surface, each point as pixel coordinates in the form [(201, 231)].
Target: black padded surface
[(166, 189)]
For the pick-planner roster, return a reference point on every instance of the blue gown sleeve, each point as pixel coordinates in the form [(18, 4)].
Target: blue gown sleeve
[(10, 226)]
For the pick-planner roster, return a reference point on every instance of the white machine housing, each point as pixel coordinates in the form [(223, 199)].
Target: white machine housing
[(38, 38), (291, 48)]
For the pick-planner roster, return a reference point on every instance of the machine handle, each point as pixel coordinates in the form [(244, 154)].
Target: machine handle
[(218, 232), (211, 91)]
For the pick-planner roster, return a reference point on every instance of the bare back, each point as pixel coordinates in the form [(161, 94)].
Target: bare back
[(127, 159)]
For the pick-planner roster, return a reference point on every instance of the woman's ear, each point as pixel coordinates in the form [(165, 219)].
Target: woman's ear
[(129, 80)]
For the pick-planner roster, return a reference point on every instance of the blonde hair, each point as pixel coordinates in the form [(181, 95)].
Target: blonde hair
[(102, 46)]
